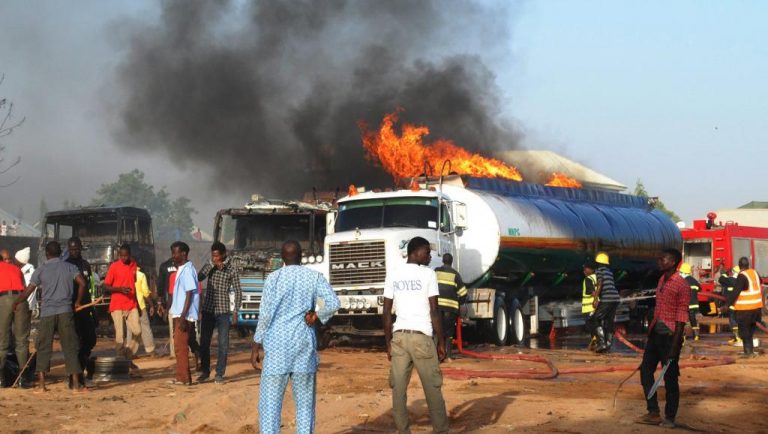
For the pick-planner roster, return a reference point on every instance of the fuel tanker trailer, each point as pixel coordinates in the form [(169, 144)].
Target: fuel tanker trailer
[(520, 247)]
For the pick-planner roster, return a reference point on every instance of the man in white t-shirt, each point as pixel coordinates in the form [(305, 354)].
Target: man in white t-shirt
[(412, 288)]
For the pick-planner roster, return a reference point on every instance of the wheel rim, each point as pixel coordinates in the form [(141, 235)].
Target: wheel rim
[(519, 325), (501, 324)]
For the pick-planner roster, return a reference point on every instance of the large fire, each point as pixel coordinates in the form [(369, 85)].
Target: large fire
[(561, 180), (404, 155)]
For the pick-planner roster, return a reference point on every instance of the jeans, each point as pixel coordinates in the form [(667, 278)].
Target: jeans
[(417, 350), (656, 350), (222, 323)]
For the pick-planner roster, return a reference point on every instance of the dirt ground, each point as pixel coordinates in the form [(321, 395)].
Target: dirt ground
[(353, 397)]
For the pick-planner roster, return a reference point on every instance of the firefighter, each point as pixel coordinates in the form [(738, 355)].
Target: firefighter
[(453, 294), (748, 305), (727, 282), (587, 298), (693, 305), (606, 302)]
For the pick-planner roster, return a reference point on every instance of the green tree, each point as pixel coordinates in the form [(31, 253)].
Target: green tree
[(171, 219), (641, 191)]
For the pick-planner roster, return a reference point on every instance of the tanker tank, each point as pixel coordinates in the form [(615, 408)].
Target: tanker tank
[(521, 234)]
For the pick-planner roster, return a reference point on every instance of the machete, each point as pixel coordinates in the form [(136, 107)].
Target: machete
[(658, 381)]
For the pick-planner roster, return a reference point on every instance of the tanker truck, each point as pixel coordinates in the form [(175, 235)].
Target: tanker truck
[(520, 247)]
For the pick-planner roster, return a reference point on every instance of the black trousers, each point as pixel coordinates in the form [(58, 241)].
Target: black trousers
[(747, 321), (85, 327), (449, 328), (605, 315), (589, 323), (692, 312), (194, 346), (656, 351)]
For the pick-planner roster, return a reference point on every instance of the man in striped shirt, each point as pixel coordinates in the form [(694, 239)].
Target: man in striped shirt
[(606, 302)]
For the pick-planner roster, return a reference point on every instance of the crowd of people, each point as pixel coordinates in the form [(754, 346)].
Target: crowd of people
[(426, 303), (9, 230), (676, 304), (62, 292)]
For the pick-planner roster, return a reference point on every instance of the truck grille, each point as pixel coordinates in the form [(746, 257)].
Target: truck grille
[(252, 283), (251, 302), (360, 263)]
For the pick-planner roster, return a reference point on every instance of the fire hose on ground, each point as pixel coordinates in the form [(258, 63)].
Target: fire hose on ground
[(551, 370)]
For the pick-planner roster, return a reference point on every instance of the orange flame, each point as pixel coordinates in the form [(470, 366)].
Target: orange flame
[(404, 155), (561, 180)]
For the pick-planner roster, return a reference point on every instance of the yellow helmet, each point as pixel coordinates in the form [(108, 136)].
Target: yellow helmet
[(685, 268), (736, 270), (602, 258)]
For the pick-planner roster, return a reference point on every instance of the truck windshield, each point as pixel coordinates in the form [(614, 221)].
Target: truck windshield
[(404, 212), (264, 232), (90, 229)]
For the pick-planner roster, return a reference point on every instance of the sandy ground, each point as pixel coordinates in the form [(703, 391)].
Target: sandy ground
[(353, 396)]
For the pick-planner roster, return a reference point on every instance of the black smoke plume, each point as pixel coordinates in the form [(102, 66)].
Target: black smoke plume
[(269, 93)]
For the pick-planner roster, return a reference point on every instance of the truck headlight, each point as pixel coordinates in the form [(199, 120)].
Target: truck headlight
[(319, 258), (303, 259), (311, 259)]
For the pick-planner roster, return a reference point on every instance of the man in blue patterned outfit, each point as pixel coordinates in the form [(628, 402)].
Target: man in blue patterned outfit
[(290, 349)]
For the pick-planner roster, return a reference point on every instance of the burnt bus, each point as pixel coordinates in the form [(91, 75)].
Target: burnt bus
[(103, 230)]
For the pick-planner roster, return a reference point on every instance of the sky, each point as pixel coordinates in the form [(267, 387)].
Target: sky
[(672, 93)]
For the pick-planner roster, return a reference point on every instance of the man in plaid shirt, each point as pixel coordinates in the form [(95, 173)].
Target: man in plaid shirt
[(222, 277), (666, 338)]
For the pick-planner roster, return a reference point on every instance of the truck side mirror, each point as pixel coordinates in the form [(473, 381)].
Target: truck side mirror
[(330, 223), (459, 215)]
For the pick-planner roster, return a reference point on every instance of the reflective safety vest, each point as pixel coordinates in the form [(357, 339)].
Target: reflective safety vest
[(452, 289), (695, 288), (587, 299), (751, 297)]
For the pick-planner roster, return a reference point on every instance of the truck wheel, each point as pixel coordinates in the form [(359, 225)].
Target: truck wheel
[(516, 323), (500, 323)]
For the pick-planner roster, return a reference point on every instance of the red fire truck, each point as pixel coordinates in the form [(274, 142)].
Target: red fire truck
[(710, 244)]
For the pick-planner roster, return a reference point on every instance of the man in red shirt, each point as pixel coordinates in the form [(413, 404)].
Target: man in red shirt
[(11, 285), (121, 283), (666, 338)]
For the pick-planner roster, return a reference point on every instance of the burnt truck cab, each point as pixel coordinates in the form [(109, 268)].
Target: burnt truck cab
[(102, 231), (254, 235)]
